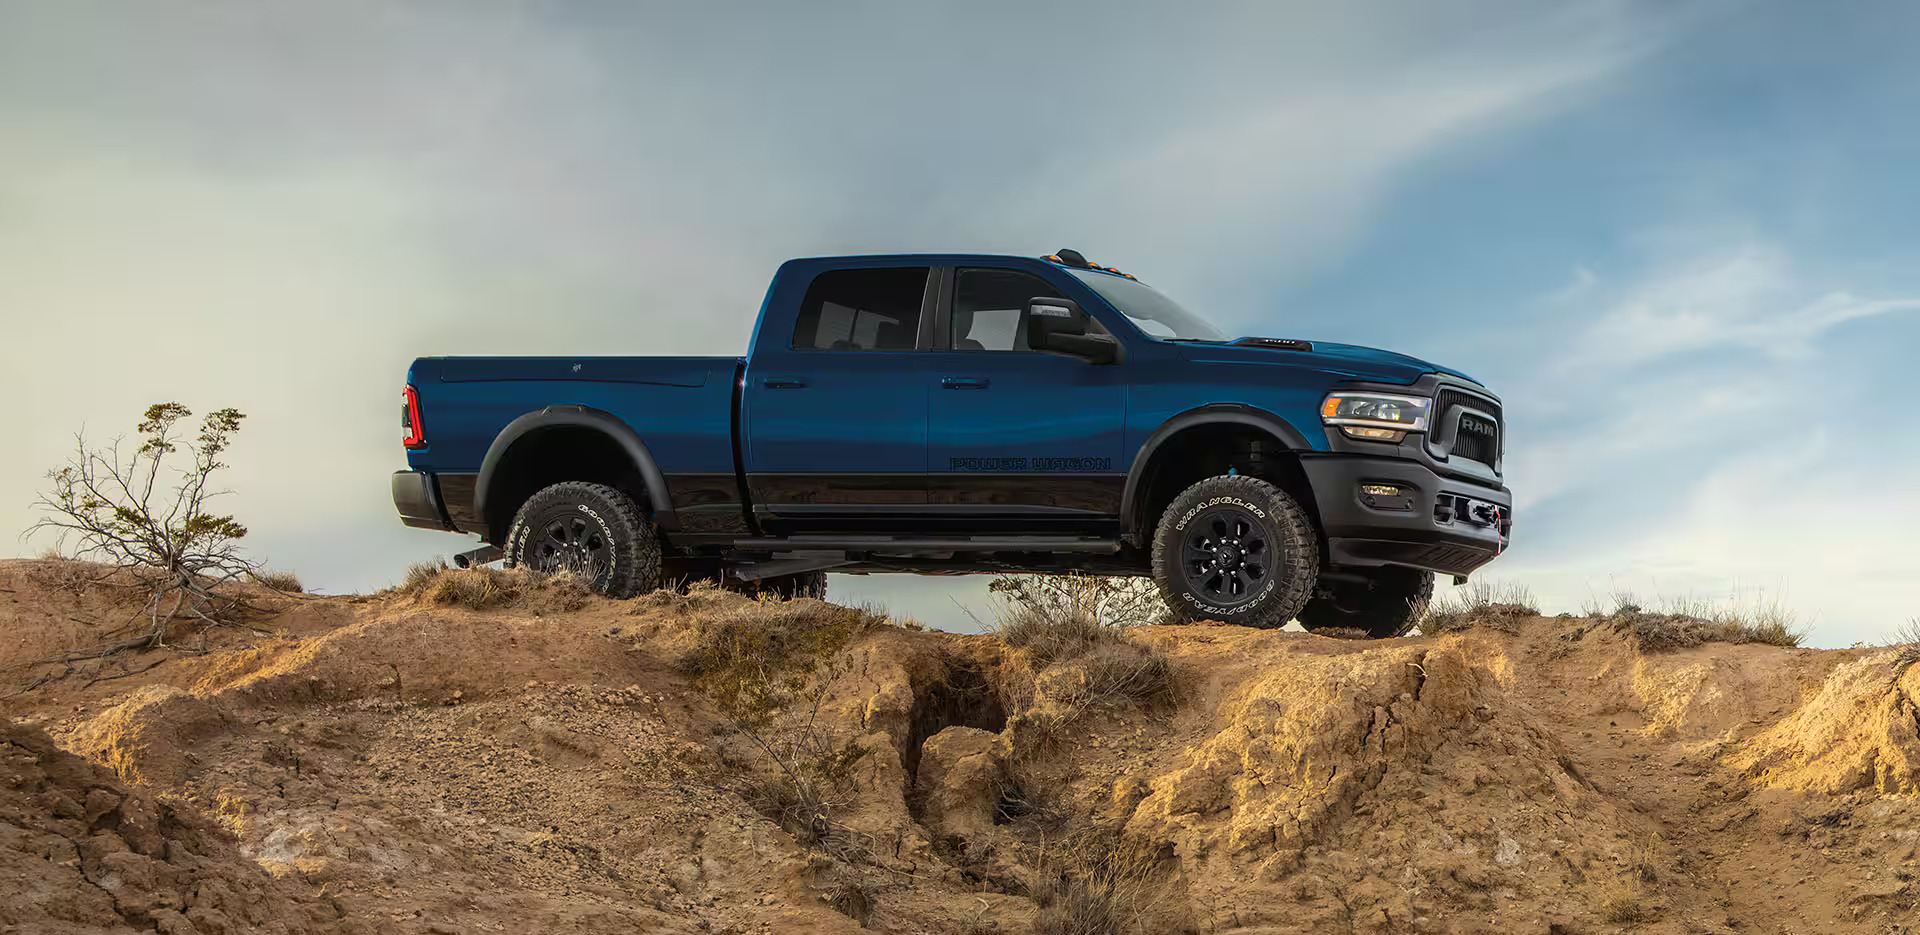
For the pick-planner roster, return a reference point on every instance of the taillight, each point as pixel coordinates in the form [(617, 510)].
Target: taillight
[(410, 419)]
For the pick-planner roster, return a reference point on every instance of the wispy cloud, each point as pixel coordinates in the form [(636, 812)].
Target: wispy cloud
[(1685, 430), (1748, 297)]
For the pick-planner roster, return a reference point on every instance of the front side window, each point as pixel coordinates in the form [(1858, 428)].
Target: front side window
[(862, 310), (990, 309)]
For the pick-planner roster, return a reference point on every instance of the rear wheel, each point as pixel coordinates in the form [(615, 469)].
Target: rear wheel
[(1236, 549), (591, 530), (1390, 603)]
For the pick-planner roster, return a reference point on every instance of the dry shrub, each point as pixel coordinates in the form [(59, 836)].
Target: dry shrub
[(476, 588), (1908, 639), (770, 666), (1077, 662), (1342, 633), (1686, 621), (1622, 904), (285, 582), (1048, 635), (1122, 672), (748, 640), (1680, 631), (1099, 881), (851, 893), (420, 575), (1482, 603), (1110, 600)]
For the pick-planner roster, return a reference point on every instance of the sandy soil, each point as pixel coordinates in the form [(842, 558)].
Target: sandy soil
[(385, 764)]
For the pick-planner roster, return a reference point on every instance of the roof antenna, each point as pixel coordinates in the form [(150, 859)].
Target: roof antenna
[(1073, 258)]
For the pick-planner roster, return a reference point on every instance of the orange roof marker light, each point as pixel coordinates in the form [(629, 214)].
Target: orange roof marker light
[(1074, 259)]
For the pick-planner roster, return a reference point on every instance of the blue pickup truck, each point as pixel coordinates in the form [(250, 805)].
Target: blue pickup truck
[(952, 414)]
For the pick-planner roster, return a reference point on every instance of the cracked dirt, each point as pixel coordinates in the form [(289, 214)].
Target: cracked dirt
[(375, 764)]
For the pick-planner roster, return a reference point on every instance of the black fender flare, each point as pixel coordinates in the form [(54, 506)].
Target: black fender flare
[(1212, 414), (659, 503)]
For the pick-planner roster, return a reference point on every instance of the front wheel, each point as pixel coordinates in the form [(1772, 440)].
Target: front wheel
[(1389, 603), (1236, 549), (591, 530)]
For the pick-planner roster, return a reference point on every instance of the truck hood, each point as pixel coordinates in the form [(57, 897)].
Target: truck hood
[(1363, 363)]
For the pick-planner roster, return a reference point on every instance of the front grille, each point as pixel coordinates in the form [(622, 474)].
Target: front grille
[(1474, 437), (1479, 446)]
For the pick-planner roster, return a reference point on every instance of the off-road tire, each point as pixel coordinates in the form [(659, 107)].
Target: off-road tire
[(1288, 550), (616, 551), (1390, 605)]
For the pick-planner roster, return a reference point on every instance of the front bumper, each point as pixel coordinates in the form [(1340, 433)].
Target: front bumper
[(1454, 526), (415, 496)]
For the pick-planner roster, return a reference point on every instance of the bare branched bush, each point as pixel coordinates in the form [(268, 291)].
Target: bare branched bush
[(147, 517), (1482, 603), (1111, 601)]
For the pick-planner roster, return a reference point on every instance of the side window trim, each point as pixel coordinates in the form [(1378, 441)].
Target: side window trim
[(942, 337)]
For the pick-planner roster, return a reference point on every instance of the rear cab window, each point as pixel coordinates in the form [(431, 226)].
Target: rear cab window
[(863, 310)]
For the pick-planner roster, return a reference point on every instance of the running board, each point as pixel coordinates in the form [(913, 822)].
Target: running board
[(923, 545)]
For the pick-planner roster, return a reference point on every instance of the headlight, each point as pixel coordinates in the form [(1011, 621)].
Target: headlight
[(1376, 416)]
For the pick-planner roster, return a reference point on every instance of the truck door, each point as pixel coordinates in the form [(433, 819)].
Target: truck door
[(1019, 440), (834, 423)]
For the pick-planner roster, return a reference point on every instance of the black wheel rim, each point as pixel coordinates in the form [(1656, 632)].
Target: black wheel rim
[(1227, 556), (572, 544)]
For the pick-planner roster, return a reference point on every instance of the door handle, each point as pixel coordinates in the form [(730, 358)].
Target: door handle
[(963, 383), (783, 383)]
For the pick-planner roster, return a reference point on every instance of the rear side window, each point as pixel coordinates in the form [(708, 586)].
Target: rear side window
[(862, 310)]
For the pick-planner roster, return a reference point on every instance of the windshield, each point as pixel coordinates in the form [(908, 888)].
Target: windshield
[(1147, 308)]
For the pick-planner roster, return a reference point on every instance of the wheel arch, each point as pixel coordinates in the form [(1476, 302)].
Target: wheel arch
[(1144, 477), (502, 470)]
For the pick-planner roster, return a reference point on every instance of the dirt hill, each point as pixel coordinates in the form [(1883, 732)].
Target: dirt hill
[(555, 762)]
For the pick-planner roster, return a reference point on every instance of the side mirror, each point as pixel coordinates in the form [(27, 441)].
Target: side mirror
[(1061, 326)]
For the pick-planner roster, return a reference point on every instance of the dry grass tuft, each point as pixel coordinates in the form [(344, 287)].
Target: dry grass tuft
[(1048, 636), (1078, 662), (486, 588), (1342, 633), (1481, 603), (1686, 622), (285, 582), (1099, 881), (1908, 639), (763, 636), (851, 894), (1622, 905)]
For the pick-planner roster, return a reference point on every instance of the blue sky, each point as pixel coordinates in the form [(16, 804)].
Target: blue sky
[(1676, 237)]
